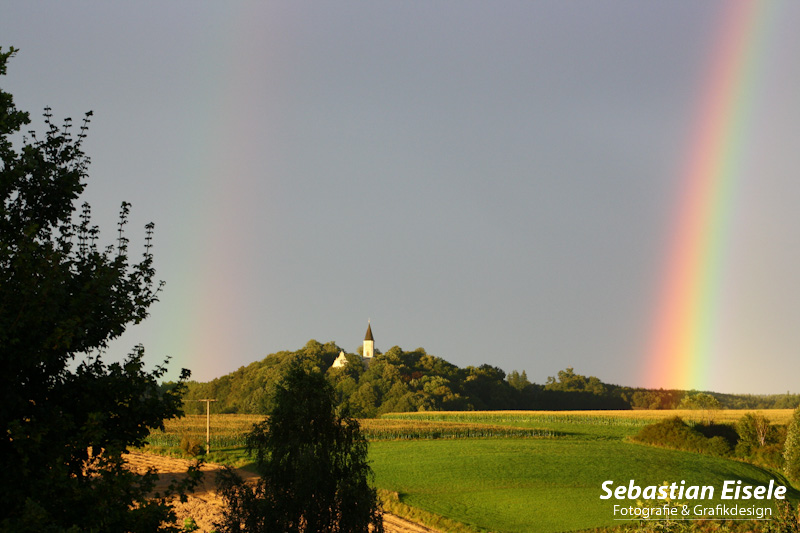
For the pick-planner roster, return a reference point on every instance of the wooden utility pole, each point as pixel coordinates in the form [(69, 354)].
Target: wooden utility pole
[(208, 422)]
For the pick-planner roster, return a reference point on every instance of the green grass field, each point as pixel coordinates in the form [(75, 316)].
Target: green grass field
[(536, 485), (544, 485), (516, 471)]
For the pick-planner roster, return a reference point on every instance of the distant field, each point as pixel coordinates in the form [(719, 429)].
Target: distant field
[(510, 471), (228, 430), (635, 417)]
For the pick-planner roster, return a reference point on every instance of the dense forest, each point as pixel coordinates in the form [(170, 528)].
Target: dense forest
[(400, 380)]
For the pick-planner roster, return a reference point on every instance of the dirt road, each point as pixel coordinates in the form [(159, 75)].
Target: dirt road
[(205, 505)]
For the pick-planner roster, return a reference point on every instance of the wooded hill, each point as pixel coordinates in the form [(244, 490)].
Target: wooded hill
[(400, 380)]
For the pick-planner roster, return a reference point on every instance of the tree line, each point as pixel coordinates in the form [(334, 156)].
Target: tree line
[(401, 381)]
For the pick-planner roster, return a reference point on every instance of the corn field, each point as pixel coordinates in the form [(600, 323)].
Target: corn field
[(401, 429), (228, 431), (634, 418), (523, 417)]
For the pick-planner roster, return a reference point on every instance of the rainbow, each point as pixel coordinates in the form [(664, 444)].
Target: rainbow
[(684, 345), (229, 208)]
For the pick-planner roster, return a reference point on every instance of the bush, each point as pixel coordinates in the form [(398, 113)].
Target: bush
[(675, 433), (770, 456), (787, 519), (192, 445), (718, 446)]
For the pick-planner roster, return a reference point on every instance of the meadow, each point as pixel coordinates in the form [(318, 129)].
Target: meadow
[(513, 471)]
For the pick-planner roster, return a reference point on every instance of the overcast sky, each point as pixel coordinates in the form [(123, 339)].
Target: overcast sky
[(496, 182)]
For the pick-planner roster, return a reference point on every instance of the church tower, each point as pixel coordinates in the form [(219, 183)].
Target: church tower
[(369, 344)]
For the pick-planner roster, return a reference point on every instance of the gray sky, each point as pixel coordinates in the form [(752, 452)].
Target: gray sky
[(496, 182)]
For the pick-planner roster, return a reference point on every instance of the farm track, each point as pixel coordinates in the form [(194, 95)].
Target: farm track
[(204, 505)]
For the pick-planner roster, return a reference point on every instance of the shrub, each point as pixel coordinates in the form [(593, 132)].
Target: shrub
[(675, 433), (718, 446), (672, 433), (787, 519), (770, 456), (791, 450), (191, 445)]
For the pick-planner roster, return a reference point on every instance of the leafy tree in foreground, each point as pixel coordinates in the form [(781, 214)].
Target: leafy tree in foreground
[(69, 416), (313, 465)]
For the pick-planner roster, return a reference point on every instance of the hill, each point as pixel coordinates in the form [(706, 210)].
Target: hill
[(400, 381)]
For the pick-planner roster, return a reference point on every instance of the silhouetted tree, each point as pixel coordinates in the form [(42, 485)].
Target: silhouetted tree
[(67, 415), (313, 465)]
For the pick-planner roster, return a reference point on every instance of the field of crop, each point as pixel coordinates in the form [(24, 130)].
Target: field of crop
[(591, 425), (228, 431), (514, 471), (610, 418)]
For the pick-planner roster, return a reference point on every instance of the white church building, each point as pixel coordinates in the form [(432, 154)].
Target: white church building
[(367, 352)]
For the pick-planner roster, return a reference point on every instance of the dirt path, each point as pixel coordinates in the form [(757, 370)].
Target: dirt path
[(205, 505)]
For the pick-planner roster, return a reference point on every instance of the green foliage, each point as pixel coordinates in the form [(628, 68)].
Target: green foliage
[(703, 402), (189, 524), (791, 453), (517, 380), (787, 519), (745, 437), (755, 432), (699, 400), (675, 433), (313, 466), (191, 445), (759, 401), (568, 380), (62, 300), (248, 389), (403, 381), (653, 399)]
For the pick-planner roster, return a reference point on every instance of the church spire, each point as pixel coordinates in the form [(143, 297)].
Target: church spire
[(369, 345)]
